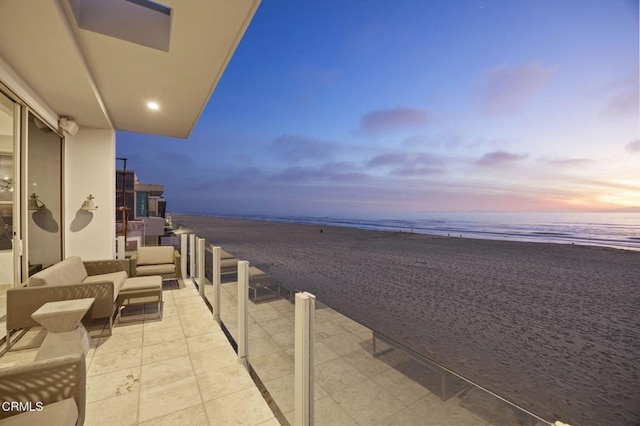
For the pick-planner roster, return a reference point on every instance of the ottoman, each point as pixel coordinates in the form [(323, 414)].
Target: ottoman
[(139, 291)]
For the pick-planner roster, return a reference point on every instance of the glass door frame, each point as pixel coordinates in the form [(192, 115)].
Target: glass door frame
[(20, 168)]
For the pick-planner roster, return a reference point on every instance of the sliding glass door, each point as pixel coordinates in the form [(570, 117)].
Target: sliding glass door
[(7, 193), (43, 191)]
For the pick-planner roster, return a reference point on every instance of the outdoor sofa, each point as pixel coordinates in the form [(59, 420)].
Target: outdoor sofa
[(66, 280)]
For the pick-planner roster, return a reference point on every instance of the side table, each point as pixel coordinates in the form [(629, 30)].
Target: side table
[(66, 335)]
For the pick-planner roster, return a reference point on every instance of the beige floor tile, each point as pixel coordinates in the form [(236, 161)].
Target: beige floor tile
[(223, 381), (271, 422), (435, 412), (262, 346), (272, 366), (210, 360), (119, 342), (207, 342), (264, 314), (113, 361), (336, 375), (113, 384), (283, 305), (167, 334), (167, 371), (323, 353), (246, 407), (326, 329), (342, 343), (282, 392), (129, 328), (285, 340), (120, 410), (192, 416), (163, 351), (161, 400), (256, 330), (366, 363), (400, 386), (329, 413), (195, 325), (368, 403), (327, 314)]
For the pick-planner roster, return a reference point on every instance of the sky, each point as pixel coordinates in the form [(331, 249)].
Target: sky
[(382, 108)]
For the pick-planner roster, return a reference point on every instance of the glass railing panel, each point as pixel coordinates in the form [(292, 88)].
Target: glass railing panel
[(364, 377), (208, 274), (271, 337)]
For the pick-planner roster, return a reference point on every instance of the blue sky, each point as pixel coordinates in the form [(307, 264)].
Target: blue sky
[(378, 108)]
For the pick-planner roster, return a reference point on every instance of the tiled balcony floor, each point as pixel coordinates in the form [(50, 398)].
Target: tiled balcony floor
[(180, 370)]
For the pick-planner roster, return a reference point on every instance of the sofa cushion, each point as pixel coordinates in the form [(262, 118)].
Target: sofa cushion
[(155, 255), (117, 278), (155, 269), (61, 413), (69, 271)]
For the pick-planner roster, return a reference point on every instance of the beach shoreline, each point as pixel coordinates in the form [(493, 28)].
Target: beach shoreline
[(555, 325)]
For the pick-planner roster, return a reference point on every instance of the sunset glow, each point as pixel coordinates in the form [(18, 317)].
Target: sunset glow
[(384, 107)]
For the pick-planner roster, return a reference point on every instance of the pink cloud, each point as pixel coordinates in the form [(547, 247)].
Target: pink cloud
[(499, 158), (382, 121), (624, 95), (506, 89), (633, 147)]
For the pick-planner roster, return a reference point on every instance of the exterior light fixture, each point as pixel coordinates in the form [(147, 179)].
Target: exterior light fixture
[(153, 106), (34, 203), (88, 203)]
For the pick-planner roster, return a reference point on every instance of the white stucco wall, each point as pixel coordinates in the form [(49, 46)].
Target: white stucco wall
[(89, 162)]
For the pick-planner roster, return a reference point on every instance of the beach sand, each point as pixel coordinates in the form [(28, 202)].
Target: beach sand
[(555, 328)]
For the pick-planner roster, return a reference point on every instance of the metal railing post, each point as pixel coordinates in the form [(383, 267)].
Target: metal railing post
[(216, 283), (183, 255), (192, 256), (243, 313), (200, 259), (120, 247), (304, 378)]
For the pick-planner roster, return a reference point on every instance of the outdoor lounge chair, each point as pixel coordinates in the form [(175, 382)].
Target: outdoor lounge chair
[(48, 392), (156, 260)]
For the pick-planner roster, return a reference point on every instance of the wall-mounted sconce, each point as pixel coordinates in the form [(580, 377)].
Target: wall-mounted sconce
[(34, 203), (88, 203)]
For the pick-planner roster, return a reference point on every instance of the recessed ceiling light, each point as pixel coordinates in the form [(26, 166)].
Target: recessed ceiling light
[(152, 105)]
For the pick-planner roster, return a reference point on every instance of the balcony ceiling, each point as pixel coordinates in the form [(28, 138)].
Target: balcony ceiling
[(101, 81)]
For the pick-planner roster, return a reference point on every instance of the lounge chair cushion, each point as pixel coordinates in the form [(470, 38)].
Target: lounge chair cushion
[(61, 413), (69, 271), (156, 269), (155, 255), (118, 279)]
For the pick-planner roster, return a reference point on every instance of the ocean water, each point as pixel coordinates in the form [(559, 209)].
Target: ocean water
[(619, 230)]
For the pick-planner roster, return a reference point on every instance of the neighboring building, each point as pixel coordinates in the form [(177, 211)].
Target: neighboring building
[(145, 214), (72, 72)]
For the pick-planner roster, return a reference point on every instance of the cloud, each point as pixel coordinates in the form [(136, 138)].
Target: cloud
[(499, 158), (383, 121), (408, 164), (342, 172), (295, 148), (633, 147), (567, 162), (506, 89), (624, 96)]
